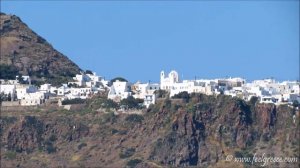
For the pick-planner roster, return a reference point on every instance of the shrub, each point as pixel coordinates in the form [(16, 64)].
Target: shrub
[(114, 131), (108, 117), (8, 72), (89, 72), (161, 93), (131, 103), (81, 145), (73, 101), (134, 118), (182, 95), (296, 103), (133, 162), (52, 138), (128, 152), (107, 103), (10, 155), (119, 79), (50, 148)]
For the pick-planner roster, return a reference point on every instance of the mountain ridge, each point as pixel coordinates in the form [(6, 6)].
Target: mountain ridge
[(31, 54)]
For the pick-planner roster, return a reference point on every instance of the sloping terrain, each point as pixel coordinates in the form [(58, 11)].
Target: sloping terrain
[(199, 131), (31, 54)]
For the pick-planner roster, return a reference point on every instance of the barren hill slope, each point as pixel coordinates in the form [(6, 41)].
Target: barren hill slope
[(31, 54)]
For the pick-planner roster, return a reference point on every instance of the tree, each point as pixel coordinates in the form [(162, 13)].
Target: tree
[(253, 100), (8, 72), (107, 103), (161, 93), (3, 97), (131, 102), (182, 95), (88, 72), (73, 101), (119, 79), (296, 103), (20, 79), (9, 97)]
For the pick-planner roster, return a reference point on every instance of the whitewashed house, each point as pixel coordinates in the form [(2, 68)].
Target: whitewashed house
[(119, 90), (82, 93), (7, 89), (31, 99), (9, 82), (22, 90), (46, 88), (145, 91), (64, 89), (89, 80), (149, 99)]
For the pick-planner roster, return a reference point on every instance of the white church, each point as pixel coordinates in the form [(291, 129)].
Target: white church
[(174, 85)]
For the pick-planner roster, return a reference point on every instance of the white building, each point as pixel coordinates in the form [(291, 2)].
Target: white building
[(149, 99), (145, 91), (119, 90), (22, 90), (167, 82), (175, 86), (31, 99), (81, 93), (7, 89), (64, 89), (89, 80), (46, 88)]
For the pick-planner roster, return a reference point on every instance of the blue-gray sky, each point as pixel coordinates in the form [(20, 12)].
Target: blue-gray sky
[(136, 40)]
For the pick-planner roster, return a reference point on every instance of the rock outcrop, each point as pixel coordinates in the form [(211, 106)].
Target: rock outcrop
[(200, 132)]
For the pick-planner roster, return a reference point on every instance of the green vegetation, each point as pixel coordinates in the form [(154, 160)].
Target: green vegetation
[(133, 163), (161, 93), (48, 144), (296, 103), (8, 72), (134, 118), (131, 103), (52, 138), (56, 80), (126, 153), (4, 97), (73, 101), (119, 79), (89, 72), (108, 103), (10, 155), (20, 79), (50, 148), (120, 132), (81, 145), (182, 95), (108, 117)]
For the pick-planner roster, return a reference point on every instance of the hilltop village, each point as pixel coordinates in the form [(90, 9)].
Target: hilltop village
[(87, 84)]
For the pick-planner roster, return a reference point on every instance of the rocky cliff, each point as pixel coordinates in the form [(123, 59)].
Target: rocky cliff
[(31, 54), (201, 131)]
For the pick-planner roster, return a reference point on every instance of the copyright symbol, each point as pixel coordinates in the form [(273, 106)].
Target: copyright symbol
[(229, 158)]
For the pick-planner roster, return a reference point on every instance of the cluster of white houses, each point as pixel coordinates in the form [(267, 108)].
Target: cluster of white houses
[(85, 85)]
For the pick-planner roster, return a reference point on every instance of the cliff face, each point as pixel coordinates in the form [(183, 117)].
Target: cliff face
[(201, 132), (31, 54), (217, 128)]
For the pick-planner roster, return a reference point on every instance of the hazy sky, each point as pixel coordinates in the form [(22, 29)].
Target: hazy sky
[(137, 40)]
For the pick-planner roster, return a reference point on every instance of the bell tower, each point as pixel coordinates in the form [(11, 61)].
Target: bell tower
[(162, 76)]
